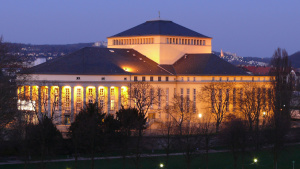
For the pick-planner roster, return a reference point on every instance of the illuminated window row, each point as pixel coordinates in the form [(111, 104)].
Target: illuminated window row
[(133, 41), (184, 41)]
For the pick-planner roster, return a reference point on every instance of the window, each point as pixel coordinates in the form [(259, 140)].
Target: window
[(159, 98), (101, 92), (194, 100), (188, 99), (167, 97), (78, 99), (112, 105), (151, 98), (143, 78), (194, 79), (227, 78), (90, 95), (213, 79), (125, 78), (234, 99), (67, 98), (220, 78), (181, 98), (151, 78), (77, 78), (227, 99), (135, 78), (103, 78), (159, 78), (167, 78), (112, 91), (203, 42), (188, 79)]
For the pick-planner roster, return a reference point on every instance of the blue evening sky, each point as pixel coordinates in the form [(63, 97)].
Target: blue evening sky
[(246, 27)]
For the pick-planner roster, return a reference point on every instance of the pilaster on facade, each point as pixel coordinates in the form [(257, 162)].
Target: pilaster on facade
[(72, 89)]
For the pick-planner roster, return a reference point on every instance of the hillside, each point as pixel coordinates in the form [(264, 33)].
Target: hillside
[(295, 59)]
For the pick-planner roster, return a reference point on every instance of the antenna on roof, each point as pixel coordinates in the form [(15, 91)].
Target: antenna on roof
[(158, 14)]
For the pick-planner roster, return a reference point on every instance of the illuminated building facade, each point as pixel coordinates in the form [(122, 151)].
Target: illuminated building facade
[(161, 53)]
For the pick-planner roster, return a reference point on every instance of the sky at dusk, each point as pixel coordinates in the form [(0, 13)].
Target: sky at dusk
[(248, 28)]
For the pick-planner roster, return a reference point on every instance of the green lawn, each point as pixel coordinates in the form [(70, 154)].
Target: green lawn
[(216, 161)]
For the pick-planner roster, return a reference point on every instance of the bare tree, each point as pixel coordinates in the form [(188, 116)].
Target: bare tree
[(144, 97), (216, 97), (188, 136), (279, 123)]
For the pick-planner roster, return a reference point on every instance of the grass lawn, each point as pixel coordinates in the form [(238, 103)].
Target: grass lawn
[(216, 161)]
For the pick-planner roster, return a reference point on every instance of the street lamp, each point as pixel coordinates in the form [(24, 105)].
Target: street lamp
[(255, 160), (161, 165), (200, 115)]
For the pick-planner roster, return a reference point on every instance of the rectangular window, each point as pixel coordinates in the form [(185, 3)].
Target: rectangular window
[(151, 78), (203, 42), (143, 78), (194, 100), (135, 78), (188, 79), (67, 98), (227, 100), (112, 92), (167, 78), (78, 99), (159, 78), (159, 98), (181, 98), (234, 99), (188, 99), (90, 95), (167, 97), (112, 105), (103, 78)]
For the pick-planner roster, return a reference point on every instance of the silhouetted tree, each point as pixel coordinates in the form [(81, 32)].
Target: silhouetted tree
[(87, 130), (279, 123), (234, 135), (130, 121), (43, 138)]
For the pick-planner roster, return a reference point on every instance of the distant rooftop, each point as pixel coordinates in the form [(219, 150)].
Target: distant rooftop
[(159, 27)]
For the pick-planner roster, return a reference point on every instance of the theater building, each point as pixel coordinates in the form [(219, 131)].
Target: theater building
[(159, 52)]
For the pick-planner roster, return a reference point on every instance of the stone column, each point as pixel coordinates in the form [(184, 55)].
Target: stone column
[(97, 93), (72, 103), (59, 104), (24, 94), (108, 99), (84, 95), (39, 101), (119, 98), (30, 97), (49, 102)]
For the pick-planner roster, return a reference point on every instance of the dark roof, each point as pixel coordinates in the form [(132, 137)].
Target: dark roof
[(159, 27), (109, 61), (205, 64), (100, 61)]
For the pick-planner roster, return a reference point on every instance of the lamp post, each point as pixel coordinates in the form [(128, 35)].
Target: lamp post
[(161, 165), (255, 160), (293, 164)]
